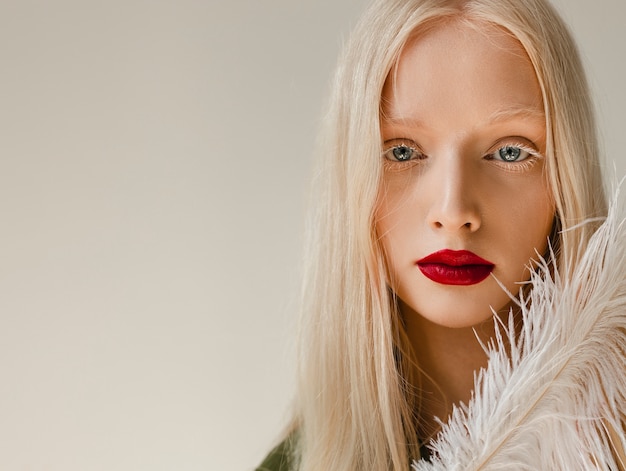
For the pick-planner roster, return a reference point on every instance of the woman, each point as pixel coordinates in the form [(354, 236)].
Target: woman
[(460, 162)]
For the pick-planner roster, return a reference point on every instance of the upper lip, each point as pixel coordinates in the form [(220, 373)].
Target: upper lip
[(454, 258)]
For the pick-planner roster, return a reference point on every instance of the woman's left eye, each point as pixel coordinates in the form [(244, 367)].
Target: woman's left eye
[(402, 153), (511, 154)]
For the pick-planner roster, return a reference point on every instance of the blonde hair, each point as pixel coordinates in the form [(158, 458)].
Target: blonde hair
[(356, 408)]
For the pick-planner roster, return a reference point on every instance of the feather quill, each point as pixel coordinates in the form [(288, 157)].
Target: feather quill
[(556, 398)]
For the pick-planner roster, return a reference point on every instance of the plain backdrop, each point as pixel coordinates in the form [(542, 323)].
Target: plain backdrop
[(154, 160)]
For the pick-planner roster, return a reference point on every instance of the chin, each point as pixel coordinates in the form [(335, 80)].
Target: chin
[(455, 315), (459, 321)]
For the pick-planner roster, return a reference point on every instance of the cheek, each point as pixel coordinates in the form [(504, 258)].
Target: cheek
[(396, 211), (387, 225), (522, 228), (399, 218), (534, 214), (399, 197)]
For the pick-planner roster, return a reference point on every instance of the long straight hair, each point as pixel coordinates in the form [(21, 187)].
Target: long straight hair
[(355, 404)]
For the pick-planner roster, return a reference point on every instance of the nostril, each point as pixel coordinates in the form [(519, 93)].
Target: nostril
[(467, 225)]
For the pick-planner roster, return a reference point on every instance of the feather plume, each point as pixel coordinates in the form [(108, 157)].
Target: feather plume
[(556, 398)]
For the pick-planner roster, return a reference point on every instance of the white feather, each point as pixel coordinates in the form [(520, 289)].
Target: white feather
[(552, 402)]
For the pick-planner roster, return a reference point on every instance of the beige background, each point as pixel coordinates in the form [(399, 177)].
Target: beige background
[(153, 164)]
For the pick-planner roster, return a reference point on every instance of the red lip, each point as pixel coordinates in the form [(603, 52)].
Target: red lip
[(455, 267)]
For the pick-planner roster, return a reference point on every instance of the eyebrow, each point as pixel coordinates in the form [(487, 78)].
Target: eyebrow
[(516, 112), (505, 114), (401, 121)]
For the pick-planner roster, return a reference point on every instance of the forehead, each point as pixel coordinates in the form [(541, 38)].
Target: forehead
[(456, 67)]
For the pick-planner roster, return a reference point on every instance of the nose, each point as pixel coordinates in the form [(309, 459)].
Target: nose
[(454, 204)]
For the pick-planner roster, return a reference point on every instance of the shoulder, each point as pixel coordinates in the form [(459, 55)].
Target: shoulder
[(280, 458)]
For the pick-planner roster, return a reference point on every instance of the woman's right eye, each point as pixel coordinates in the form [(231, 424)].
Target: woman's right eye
[(402, 153)]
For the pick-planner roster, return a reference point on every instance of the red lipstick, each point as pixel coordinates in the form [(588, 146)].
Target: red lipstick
[(455, 267)]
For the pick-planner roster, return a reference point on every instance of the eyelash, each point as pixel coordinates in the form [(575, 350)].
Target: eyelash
[(516, 165), (409, 146), (513, 165)]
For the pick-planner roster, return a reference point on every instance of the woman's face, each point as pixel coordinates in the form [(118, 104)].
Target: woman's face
[(464, 200)]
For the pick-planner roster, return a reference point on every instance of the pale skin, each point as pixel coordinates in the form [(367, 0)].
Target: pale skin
[(464, 137)]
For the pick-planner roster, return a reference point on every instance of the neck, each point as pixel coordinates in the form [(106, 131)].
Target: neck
[(447, 359)]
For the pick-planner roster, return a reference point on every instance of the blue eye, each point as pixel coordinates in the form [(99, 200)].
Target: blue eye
[(511, 154), (402, 153)]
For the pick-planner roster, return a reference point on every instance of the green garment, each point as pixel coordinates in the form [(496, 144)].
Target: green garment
[(280, 458)]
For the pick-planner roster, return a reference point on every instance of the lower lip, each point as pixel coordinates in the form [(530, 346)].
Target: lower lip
[(463, 275)]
